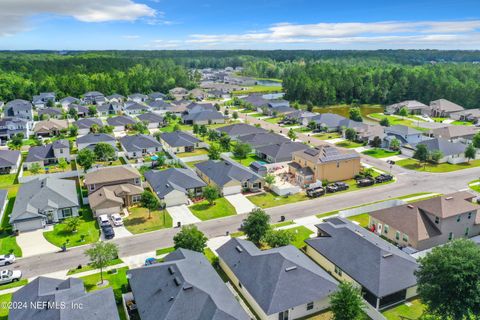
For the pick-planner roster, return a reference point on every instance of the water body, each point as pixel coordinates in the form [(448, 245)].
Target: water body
[(269, 83), (271, 96)]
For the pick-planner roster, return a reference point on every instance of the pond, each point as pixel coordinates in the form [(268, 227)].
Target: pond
[(272, 96), (269, 83), (342, 110)]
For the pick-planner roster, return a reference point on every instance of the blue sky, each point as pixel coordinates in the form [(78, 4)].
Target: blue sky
[(244, 24)]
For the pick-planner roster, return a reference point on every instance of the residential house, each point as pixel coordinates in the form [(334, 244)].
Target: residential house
[(94, 97), (460, 134), (3, 201), (280, 283), (162, 107), (44, 201), (48, 154), (204, 117), (240, 129), (279, 152), (50, 113), (300, 117), (156, 96), (140, 145), (118, 98), (471, 115), (451, 152), (19, 109), (366, 133), (180, 142), (442, 108), (111, 108), (257, 101), (50, 128), (135, 108), (276, 108), (428, 223), (10, 127), (324, 163), (197, 94), (67, 101), (43, 99), (175, 186), (384, 274), (331, 122), (152, 120), (178, 93), (413, 107), (218, 94), (137, 97), (58, 299), (228, 176), (9, 161), (120, 123), (199, 107), (257, 140), (183, 286), (82, 111), (111, 189), (90, 140), (85, 125), (404, 134)]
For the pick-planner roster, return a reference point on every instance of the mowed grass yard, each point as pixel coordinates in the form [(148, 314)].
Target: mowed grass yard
[(327, 135), (88, 228), (196, 152), (269, 199), (413, 164), (412, 309), (301, 234), (248, 160), (348, 144), (221, 208), (8, 242), (394, 120), (138, 221), (380, 153)]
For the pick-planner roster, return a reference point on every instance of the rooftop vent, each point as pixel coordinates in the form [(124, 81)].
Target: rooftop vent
[(448, 198), (170, 269), (386, 255), (239, 249), (176, 281), (290, 268), (410, 206), (187, 286), (171, 298)]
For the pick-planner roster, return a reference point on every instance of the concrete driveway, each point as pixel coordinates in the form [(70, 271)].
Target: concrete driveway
[(241, 203), (120, 232), (182, 214), (34, 243)]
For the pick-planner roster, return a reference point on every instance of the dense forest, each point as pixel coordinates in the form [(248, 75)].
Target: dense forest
[(318, 77)]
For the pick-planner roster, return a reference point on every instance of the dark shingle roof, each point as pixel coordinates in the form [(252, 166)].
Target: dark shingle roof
[(95, 138), (445, 146), (50, 111), (17, 105), (150, 117), (88, 122), (203, 115), (282, 151), (256, 140), (222, 171), (240, 129), (136, 106), (120, 121), (96, 305), (179, 139), (165, 181), (377, 265), (401, 130), (278, 279), (139, 142), (9, 158), (185, 286), (40, 153)]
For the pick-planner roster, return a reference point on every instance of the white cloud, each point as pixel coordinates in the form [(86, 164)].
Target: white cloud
[(14, 14), (131, 36)]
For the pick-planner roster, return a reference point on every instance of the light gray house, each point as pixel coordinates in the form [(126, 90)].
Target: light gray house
[(9, 127), (404, 134), (229, 176), (331, 122), (429, 223), (279, 152), (94, 97), (137, 97), (203, 117), (156, 96), (257, 140), (240, 129), (9, 161), (139, 145), (300, 117), (41, 100), (384, 273), (471, 115), (91, 139), (67, 295), (50, 113), (132, 108), (184, 286), (452, 152), (67, 101), (413, 107), (110, 108), (152, 120), (180, 141), (115, 98), (280, 283), (19, 108), (85, 125), (175, 186), (461, 134), (120, 123), (48, 154), (44, 201)]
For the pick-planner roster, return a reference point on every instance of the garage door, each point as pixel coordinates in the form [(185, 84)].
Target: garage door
[(29, 225), (108, 211), (232, 190), (175, 199)]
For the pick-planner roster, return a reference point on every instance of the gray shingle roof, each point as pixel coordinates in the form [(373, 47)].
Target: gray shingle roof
[(150, 117), (222, 171), (377, 265), (136, 106), (96, 305), (159, 105), (139, 142), (332, 120), (278, 279), (203, 116), (9, 158), (240, 129), (95, 138), (165, 181), (445, 146), (50, 111), (179, 139), (445, 105), (39, 194), (40, 153), (120, 121), (157, 95), (401, 130), (88, 122), (17, 105), (256, 140), (185, 286), (282, 151)]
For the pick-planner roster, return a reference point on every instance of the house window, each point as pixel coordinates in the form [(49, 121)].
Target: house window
[(458, 218), (397, 235), (405, 237), (137, 180), (467, 230), (61, 150), (437, 220), (338, 271), (469, 215), (67, 212), (386, 228), (338, 164), (136, 198), (310, 306), (450, 236), (91, 187)]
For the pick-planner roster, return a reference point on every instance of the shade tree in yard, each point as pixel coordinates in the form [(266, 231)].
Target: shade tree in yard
[(190, 238)]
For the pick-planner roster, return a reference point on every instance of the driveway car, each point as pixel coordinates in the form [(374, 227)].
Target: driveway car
[(108, 231), (337, 186), (7, 276), (365, 182), (103, 220), (116, 219), (315, 192), (383, 178), (7, 259)]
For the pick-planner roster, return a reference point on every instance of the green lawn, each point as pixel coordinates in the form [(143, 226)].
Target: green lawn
[(118, 282), (247, 161), (138, 221), (301, 234), (394, 120), (258, 89), (302, 130), (88, 267), (192, 164), (15, 284), (473, 186), (461, 123), (196, 152), (164, 251), (221, 208), (8, 244), (88, 228), (269, 199), (413, 164), (327, 135), (53, 168), (380, 153), (343, 109), (283, 224), (412, 311), (6, 180), (348, 144), (362, 219), (273, 120), (4, 299), (256, 115), (209, 255)]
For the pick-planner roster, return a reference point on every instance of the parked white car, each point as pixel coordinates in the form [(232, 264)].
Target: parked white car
[(7, 259), (7, 276), (103, 220), (116, 219)]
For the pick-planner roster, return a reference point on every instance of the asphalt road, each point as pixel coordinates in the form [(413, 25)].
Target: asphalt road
[(408, 182)]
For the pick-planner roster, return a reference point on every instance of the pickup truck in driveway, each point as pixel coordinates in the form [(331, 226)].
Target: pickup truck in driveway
[(7, 276)]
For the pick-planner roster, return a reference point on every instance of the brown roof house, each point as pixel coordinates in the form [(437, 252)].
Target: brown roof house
[(113, 188), (463, 134), (323, 163), (51, 127), (428, 223), (443, 108)]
